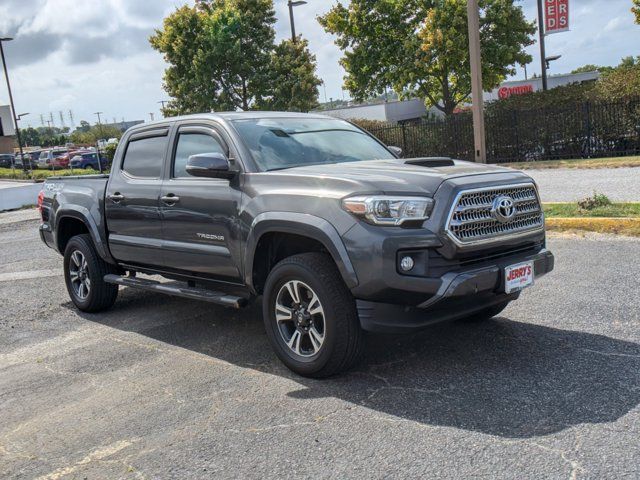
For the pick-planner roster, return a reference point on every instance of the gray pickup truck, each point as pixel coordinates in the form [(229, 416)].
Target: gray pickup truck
[(337, 232)]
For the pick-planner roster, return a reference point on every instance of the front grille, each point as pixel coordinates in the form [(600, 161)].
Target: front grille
[(473, 220)]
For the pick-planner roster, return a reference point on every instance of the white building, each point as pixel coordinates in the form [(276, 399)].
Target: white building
[(7, 130), (392, 112), (521, 87), (402, 111)]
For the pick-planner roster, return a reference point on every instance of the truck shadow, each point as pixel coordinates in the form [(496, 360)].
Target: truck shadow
[(502, 377)]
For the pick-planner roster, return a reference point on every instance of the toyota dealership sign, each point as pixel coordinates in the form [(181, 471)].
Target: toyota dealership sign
[(556, 16)]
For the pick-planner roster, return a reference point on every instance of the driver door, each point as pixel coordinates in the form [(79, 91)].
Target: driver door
[(199, 215)]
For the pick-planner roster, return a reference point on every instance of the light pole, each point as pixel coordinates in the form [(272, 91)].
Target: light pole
[(13, 108), (543, 56), (293, 25), (477, 101)]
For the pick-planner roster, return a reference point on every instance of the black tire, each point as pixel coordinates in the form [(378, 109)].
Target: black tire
[(343, 339), (486, 314), (99, 294)]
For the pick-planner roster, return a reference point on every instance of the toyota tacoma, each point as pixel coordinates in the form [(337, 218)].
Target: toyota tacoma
[(333, 229)]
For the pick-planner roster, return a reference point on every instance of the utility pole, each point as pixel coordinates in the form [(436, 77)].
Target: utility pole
[(13, 107), (151, 116), (99, 127), (293, 25), (543, 55), (473, 20)]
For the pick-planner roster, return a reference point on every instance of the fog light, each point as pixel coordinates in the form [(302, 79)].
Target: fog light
[(406, 264)]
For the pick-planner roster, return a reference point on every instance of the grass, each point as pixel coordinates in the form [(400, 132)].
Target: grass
[(617, 226), (615, 218), (586, 163), (614, 210), (40, 175)]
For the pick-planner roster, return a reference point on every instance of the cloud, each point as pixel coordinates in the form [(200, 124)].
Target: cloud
[(94, 55)]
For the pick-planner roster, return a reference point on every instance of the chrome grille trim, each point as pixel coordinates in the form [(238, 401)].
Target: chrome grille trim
[(470, 221)]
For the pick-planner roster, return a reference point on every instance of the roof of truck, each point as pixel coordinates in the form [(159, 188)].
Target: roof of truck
[(232, 116)]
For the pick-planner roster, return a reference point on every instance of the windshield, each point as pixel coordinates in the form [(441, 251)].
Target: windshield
[(278, 143)]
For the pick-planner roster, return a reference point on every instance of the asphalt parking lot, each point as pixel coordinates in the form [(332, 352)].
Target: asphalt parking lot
[(160, 387), (570, 184)]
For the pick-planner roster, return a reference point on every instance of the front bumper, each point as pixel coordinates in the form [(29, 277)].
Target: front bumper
[(458, 294)]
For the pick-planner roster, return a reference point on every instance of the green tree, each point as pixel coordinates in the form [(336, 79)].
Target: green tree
[(636, 10), (219, 52), (621, 83), (293, 84), (91, 136), (592, 68), (420, 47)]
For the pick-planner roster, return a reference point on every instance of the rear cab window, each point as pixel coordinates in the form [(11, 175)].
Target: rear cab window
[(144, 157)]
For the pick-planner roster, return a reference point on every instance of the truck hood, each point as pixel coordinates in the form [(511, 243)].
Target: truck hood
[(420, 176)]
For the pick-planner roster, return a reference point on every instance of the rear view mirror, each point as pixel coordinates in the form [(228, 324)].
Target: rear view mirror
[(397, 151), (209, 165)]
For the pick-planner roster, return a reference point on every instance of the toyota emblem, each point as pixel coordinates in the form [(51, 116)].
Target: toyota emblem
[(503, 209)]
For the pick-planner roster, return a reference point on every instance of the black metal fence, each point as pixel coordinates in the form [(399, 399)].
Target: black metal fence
[(583, 130)]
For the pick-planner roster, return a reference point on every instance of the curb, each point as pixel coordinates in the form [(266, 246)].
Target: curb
[(620, 226)]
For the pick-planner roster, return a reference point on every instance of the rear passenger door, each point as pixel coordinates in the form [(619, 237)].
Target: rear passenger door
[(132, 200), (200, 215)]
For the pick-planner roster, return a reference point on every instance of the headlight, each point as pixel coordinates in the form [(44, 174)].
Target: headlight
[(389, 210)]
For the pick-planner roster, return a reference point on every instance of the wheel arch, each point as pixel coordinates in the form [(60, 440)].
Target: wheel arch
[(306, 233), (76, 221)]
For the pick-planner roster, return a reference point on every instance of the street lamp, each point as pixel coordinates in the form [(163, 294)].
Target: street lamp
[(13, 108), (553, 58), (293, 25)]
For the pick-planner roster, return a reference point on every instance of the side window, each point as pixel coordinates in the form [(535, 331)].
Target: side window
[(144, 157), (193, 144)]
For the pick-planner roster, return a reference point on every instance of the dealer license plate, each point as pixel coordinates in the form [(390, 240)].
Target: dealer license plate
[(517, 277)]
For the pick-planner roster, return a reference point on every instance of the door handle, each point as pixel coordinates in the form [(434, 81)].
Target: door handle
[(116, 197), (170, 199)]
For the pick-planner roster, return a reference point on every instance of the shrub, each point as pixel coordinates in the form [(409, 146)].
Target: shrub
[(596, 201)]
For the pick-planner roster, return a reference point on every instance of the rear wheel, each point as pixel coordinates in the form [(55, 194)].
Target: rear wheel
[(84, 273), (310, 316)]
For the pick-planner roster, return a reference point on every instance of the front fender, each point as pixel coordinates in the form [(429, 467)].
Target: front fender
[(299, 224)]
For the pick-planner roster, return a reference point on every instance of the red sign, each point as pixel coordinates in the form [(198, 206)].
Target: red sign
[(556, 16), (506, 92)]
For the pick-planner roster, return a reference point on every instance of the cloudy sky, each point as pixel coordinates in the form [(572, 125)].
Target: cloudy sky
[(93, 55)]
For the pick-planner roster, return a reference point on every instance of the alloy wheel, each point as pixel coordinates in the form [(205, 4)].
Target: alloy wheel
[(300, 318), (79, 275)]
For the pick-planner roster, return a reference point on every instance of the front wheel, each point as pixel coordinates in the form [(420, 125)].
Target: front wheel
[(310, 316), (84, 273)]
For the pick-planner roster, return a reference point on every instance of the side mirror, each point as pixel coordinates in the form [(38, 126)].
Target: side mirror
[(209, 165), (397, 151)]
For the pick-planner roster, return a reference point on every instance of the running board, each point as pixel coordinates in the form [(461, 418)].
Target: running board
[(178, 290)]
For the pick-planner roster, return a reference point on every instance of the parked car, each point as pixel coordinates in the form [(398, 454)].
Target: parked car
[(88, 160), (7, 160), (336, 232), (34, 156), (54, 158)]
